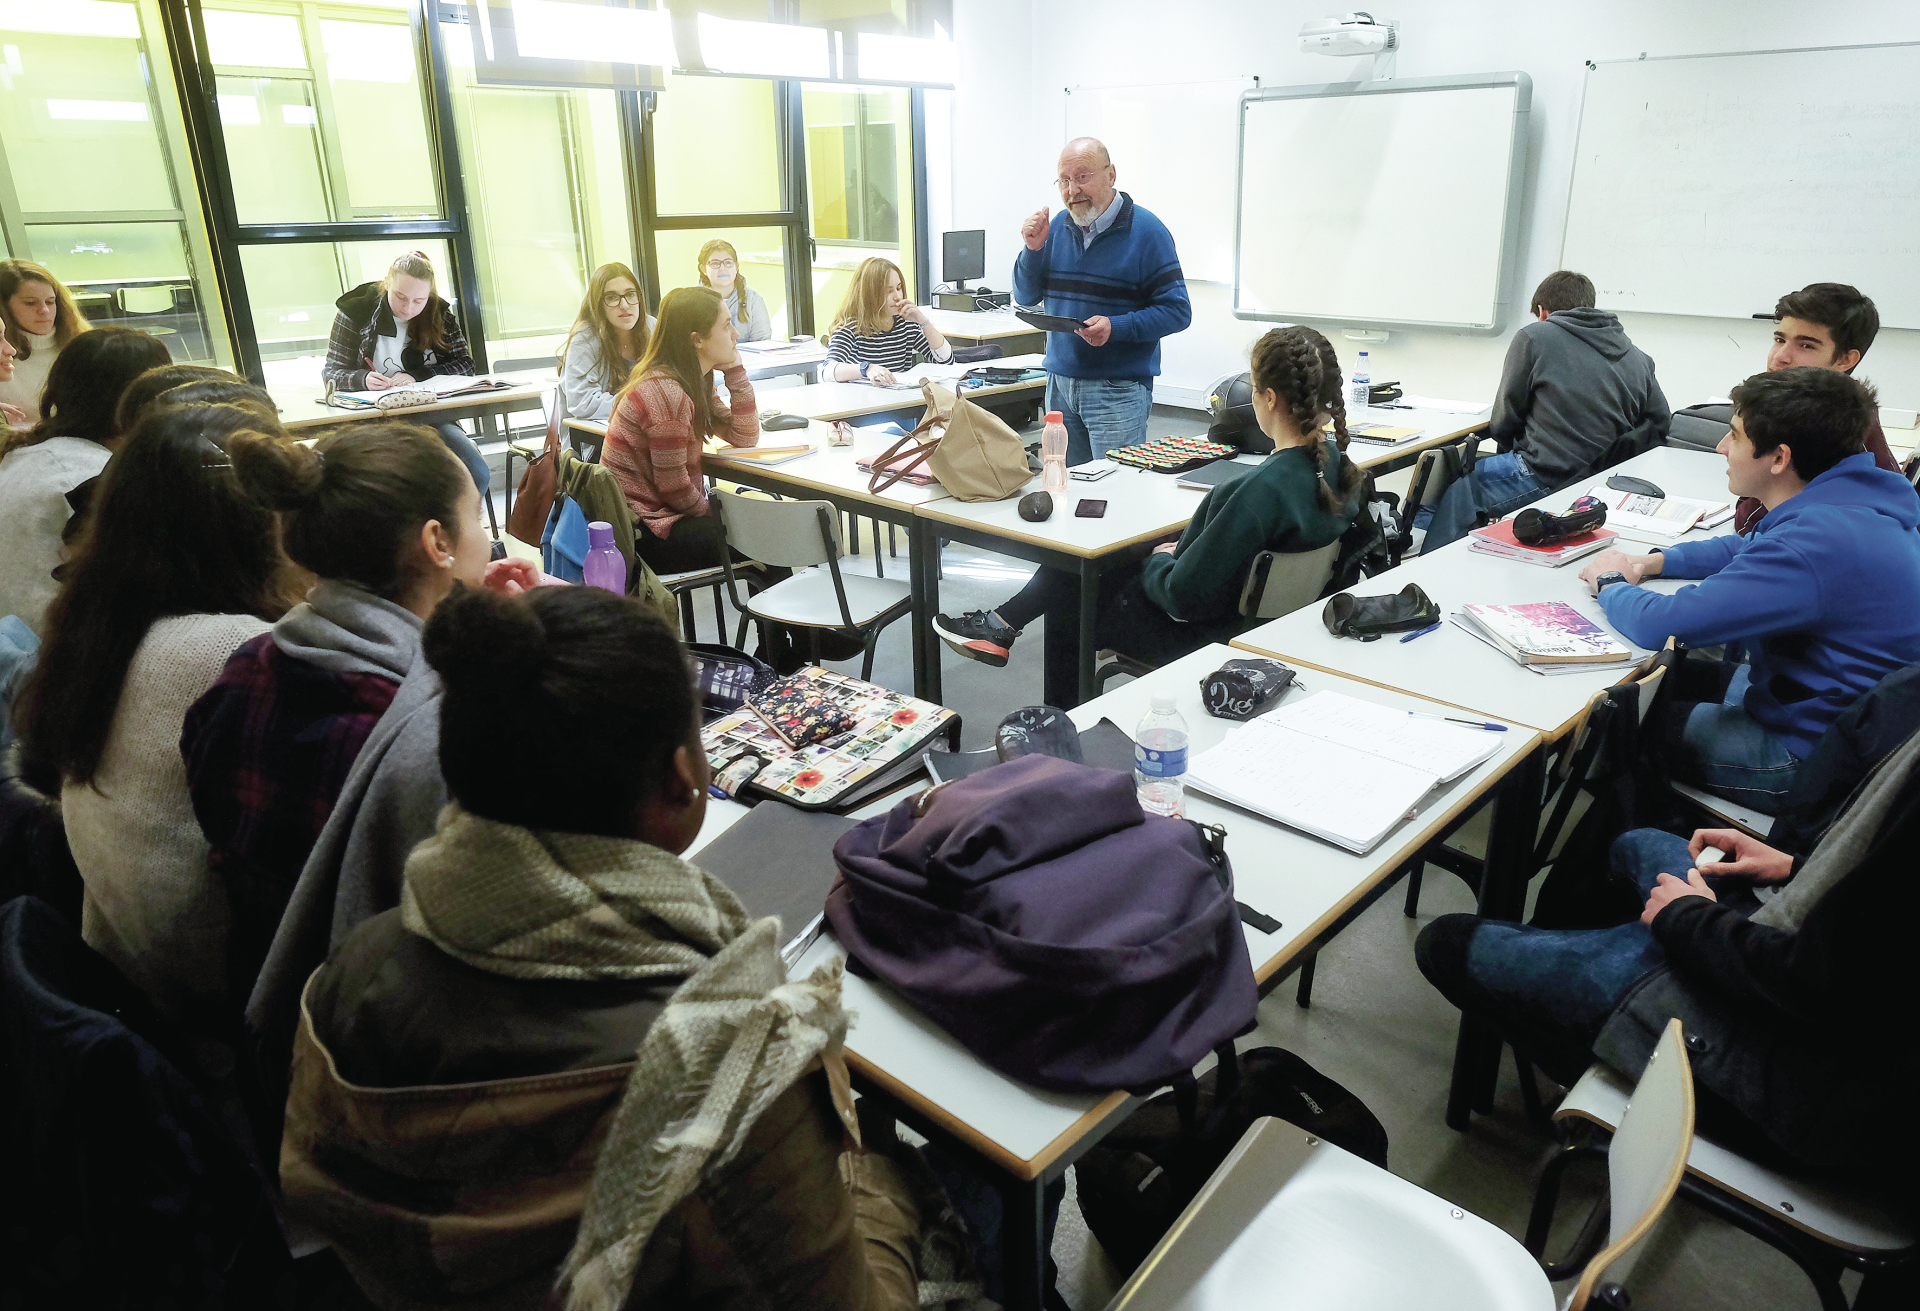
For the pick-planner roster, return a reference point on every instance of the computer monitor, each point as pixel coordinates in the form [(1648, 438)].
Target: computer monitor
[(963, 255)]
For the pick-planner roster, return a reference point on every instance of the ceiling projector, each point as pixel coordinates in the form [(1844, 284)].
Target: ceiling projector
[(1347, 34)]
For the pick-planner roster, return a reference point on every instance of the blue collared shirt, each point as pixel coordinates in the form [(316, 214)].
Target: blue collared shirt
[(1101, 222)]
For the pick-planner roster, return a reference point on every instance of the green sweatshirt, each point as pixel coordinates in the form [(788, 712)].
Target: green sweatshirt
[(1277, 507)]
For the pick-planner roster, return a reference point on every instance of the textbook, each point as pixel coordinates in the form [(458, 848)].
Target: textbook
[(1344, 770), (1209, 476), (444, 386), (1498, 539), (1545, 633), (762, 455), (1669, 517), (779, 861), (1382, 434)]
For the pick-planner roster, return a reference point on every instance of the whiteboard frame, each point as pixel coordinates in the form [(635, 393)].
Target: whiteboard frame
[(1522, 86)]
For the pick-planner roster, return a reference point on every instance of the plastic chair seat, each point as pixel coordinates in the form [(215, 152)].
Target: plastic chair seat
[(809, 600), (1754, 823), (712, 576), (1289, 1220), (1847, 1220)]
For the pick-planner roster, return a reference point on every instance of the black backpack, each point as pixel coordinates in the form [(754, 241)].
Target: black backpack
[(1133, 1186)]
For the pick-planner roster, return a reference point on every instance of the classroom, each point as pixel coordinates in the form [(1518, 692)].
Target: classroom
[(958, 653)]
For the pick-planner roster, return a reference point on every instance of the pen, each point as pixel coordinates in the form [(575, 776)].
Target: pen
[(1389, 405), (1470, 723), (1422, 633)]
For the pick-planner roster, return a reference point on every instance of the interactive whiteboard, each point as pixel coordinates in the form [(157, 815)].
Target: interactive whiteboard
[(1394, 203)]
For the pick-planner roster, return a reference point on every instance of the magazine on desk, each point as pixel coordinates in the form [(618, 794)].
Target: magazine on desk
[(445, 386), (1547, 637)]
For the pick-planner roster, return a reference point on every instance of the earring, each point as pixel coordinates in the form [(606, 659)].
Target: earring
[(447, 563)]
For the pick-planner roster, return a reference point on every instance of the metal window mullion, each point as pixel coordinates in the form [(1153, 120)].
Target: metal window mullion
[(424, 15), (793, 154), (11, 219), (333, 157), (104, 216), (636, 130), (917, 170)]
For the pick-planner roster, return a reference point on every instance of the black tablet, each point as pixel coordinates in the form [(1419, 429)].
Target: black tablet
[(1048, 322)]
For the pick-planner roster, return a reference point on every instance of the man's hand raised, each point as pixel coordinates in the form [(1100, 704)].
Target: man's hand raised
[(1034, 230)]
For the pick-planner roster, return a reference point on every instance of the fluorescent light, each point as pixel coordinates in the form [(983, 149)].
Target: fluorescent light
[(553, 29), (907, 59), (71, 18), (101, 111), (239, 111), (254, 40), (298, 116), (763, 49)]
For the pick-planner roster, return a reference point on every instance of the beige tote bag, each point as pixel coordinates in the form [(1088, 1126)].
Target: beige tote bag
[(971, 451)]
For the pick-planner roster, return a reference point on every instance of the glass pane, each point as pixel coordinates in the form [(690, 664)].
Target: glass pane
[(716, 147), (81, 129), (763, 263), (380, 119), (292, 290), (255, 40), (130, 275), (859, 184), (273, 150)]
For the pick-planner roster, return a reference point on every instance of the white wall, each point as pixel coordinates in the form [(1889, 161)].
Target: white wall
[(1017, 56)]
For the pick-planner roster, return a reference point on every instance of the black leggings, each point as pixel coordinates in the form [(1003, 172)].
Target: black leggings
[(694, 542)]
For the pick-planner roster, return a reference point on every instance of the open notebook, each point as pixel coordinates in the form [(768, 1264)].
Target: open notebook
[(1337, 767)]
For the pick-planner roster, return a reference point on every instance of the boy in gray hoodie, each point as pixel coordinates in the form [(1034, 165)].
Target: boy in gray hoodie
[(1572, 386)]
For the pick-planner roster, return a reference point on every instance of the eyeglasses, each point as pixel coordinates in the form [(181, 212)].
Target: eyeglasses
[(1078, 179), (721, 265), (615, 299)]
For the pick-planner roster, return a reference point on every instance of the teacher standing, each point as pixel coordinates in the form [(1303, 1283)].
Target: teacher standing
[(1111, 264)]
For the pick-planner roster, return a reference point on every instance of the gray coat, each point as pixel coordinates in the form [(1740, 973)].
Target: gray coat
[(1573, 385)]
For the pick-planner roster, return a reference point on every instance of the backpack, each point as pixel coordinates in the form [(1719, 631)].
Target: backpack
[(1134, 1185)]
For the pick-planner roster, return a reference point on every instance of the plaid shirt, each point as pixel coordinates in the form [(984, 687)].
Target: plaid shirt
[(363, 319), (267, 750)]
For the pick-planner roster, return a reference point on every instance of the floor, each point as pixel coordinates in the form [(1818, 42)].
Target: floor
[(1375, 1025)]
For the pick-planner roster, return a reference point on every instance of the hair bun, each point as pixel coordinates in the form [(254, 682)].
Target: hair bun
[(481, 642), (280, 475)]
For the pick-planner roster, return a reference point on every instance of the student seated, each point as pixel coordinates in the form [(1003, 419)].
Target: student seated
[(397, 331), (1824, 325), (1825, 595), (1572, 386), (1187, 593), (720, 269), (69, 445), (878, 331), (606, 341), (388, 521), (177, 569), (491, 1082), (40, 319), (1785, 1003)]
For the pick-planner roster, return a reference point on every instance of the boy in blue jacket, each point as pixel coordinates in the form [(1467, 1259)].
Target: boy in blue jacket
[(1825, 593)]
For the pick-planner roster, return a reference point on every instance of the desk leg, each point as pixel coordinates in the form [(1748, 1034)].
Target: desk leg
[(923, 579), (1023, 1245), (1089, 604)]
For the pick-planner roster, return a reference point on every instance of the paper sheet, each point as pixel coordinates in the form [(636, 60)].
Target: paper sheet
[(1447, 406), (1444, 750)]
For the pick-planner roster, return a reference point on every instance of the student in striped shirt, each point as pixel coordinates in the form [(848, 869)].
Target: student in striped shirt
[(878, 331)]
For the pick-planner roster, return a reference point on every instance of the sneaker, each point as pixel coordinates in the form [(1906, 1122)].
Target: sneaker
[(977, 636)]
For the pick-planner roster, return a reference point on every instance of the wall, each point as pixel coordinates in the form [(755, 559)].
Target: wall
[(1009, 112)]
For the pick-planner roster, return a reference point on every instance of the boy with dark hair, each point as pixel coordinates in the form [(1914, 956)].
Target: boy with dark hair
[(1826, 594), (1572, 388)]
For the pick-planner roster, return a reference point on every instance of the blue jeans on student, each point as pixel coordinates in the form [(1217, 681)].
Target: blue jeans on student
[(1550, 991), (1498, 485), (1102, 414), (463, 446), (19, 653), (1729, 753)]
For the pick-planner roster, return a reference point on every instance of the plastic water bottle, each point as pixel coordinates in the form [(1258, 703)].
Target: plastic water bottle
[(604, 565), (1053, 453), (1160, 759), (1361, 388)]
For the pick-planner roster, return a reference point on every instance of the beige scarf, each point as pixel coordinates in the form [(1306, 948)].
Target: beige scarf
[(732, 1038)]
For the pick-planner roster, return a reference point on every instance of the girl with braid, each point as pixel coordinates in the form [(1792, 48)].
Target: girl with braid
[(1187, 593)]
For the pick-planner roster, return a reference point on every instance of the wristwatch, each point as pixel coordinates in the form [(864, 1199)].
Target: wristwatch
[(864, 366), (1608, 579)]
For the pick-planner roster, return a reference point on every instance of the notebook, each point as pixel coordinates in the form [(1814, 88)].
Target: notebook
[(1382, 434), (1209, 476), (1667, 518), (1344, 770), (779, 861), (1498, 539), (765, 456), (1545, 633)]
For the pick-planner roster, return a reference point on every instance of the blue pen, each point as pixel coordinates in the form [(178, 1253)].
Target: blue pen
[(1470, 723), (1422, 633)]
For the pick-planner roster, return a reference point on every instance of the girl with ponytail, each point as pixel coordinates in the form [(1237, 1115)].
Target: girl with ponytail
[(1187, 593), (388, 522)]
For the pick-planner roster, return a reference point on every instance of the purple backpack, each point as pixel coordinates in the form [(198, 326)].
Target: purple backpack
[(1038, 915)]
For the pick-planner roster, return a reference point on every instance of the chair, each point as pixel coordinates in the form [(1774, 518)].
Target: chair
[(1288, 1220), (796, 534), (1823, 1228), (1437, 469), (1278, 583)]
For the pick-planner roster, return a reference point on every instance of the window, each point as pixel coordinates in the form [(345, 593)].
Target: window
[(859, 184), (94, 179), (763, 263), (292, 287)]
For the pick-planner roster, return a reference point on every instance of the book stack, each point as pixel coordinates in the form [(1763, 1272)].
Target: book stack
[(1498, 539), (1544, 636)]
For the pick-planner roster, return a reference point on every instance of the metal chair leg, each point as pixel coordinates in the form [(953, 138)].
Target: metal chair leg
[(719, 613), (686, 616), (893, 544)]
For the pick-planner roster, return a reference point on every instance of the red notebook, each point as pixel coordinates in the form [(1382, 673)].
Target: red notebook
[(1498, 539)]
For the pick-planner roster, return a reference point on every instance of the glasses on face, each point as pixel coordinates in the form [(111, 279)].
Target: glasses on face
[(721, 265), (1080, 179), (613, 300)]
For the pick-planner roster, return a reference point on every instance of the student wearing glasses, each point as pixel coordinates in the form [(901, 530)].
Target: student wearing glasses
[(607, 340), (720, 270)]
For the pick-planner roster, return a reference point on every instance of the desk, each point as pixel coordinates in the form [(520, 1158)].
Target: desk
[(1030, 1137), (801, 357), (304, 408), (983, 327), (1438, 427), (851, 400)]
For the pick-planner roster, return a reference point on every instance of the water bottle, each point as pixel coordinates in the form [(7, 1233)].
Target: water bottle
[(1160, 759), (1053, 452), (604, 565), (1361, 388)]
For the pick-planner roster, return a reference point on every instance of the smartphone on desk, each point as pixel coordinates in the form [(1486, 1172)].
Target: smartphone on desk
[(1092, 471), (1090, 510)]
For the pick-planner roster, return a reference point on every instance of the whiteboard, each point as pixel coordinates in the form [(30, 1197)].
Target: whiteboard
[(1711, 184), (1393, 203), (1173, 152)]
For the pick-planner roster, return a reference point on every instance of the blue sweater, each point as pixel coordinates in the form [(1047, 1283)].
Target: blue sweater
[(1131, 274), (1826, 591)]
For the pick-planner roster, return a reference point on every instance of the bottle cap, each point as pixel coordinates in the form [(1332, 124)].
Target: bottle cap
[(1054, 416), (599, 533), (1164, 702)]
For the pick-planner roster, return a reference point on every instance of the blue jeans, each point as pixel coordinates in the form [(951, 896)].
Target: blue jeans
[(1498, 485), (1730, 754), (469, 454), (19, 653), (1550, 991), (1102, 414)]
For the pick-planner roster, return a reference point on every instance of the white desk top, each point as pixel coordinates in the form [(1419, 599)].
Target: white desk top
[(979, 325), (845, 400), (1140, 507), (1303, 882), (1452, 666), (784, 357), (1437, 428), (829, 469), (305, 407)]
